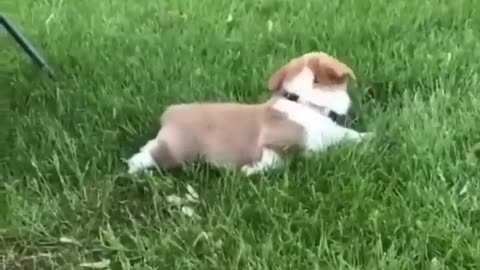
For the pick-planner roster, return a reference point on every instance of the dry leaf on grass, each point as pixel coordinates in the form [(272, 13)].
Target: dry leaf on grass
[(96, 265)]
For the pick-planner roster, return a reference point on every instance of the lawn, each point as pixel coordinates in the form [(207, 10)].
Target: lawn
[(407, 200)]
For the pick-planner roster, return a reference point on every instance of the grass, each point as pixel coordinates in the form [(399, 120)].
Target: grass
[(407, 200)]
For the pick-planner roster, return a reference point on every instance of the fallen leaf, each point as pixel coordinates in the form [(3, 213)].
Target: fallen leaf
[(269, 25), (66, 240), (435, 264), (190, 198), (464, 189), (192, 192), (96, 265), (188, 211), (174, 199)]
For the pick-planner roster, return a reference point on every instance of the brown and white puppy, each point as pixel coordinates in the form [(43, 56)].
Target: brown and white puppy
[(254, 137)]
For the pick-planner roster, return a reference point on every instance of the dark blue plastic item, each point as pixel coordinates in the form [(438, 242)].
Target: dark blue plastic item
[(23, 42)]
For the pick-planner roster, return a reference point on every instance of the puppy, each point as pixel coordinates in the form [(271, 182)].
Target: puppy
[(255, 137)]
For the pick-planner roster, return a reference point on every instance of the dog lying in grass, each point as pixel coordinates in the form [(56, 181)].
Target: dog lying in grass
[(256, 137)]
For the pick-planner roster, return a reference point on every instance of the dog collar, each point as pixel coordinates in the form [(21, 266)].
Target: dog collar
[(290, 96), (340, 119)]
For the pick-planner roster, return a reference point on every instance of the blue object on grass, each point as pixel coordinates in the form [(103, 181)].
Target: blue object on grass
[(27, 47)]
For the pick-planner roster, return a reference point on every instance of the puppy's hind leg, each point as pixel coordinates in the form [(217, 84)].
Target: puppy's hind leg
[(269, 160), (169, 149), (144, 159)]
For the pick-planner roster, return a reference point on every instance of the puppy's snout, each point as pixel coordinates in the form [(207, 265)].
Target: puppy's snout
[(340, 119)]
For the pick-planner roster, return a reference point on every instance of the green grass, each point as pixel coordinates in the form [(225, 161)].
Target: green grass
[(407, 200)]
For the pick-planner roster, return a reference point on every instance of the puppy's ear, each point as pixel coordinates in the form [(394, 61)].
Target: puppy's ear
[(276, 80), (328, 70), (339, 71), (285, 73)]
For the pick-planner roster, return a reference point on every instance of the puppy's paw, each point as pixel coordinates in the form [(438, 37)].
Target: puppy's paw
[(269, 160), (249, 170), (140, 162), (367, 135)]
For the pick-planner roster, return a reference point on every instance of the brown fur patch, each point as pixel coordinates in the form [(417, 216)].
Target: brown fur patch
[(327, 70), (223, 133), (285, 73)]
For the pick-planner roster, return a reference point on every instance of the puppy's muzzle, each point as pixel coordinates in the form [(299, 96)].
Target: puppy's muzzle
[(340, 119)]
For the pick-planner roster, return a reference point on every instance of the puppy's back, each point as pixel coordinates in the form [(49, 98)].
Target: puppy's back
[(222, 132)]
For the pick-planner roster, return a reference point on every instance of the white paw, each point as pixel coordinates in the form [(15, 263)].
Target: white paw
[(249, 170), (361, 136), (140, 162), (270, 159), (367, 135)]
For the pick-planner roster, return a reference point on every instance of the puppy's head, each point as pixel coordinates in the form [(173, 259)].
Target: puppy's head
[(316, 78)]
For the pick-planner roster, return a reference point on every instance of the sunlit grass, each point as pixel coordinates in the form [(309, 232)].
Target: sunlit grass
[(407, 200)]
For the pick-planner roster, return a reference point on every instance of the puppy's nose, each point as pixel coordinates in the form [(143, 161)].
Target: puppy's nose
[(340, 119)]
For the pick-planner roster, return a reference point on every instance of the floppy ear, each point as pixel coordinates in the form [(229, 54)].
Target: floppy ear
[(330, 71), (276, 80), (285, 73), (340, 72)]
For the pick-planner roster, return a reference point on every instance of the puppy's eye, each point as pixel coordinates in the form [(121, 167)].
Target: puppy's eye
[(315, 80)]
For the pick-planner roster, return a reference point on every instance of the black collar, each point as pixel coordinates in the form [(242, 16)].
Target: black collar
[(290, 96), (340, 119)]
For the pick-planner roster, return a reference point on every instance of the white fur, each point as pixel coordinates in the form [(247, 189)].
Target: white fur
[(334, 98), (142, 160), (302, 82), (270, 159), (321, 131)]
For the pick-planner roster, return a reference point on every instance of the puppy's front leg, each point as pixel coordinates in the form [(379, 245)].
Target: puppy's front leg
[(270, 159), (346, 134), (335, 134)]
